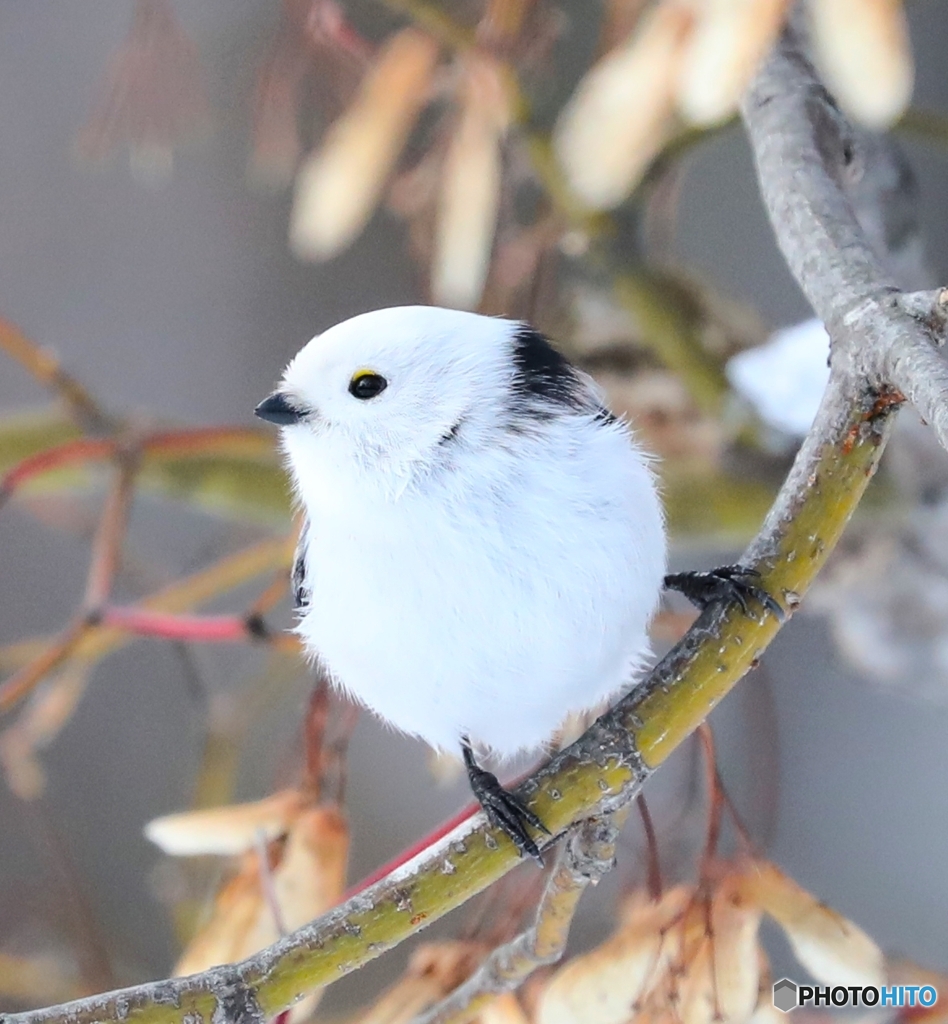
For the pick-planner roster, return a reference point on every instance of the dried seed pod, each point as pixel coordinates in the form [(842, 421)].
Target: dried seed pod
[(470, 188), (38, 979), (863, 51), (225, 830), (276, 137), (49, 709), (621, 113), (502, 23), (305, 877), (434, 970), (154, 97), (765, 1012), (339, 185), (619, 18), (729, 40), (235, 912), (831, 948), (310, 876), (505, 1009), (721, 980), (607, 984)]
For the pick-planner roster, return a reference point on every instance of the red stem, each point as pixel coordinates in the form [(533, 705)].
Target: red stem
[(169, 442), (69, 453), (412, 851), (421, 845), (168, 626)]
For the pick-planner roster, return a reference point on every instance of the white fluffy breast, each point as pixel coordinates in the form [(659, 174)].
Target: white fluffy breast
[(490, 597)]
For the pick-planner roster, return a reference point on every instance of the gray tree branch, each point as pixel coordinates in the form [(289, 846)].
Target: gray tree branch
[(833, 199), (583, 858)]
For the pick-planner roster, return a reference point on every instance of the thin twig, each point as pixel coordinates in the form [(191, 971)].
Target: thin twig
[(336, 768), (103, 564), (267, 883), (22, 682), (152, 449), (71, 898), (433, 19), (583, 858), (42, 364), (110, 537), (70, 453), (314, 734), (654, 876), (89, 639), (202, 629), (271, 595), (715, 795)]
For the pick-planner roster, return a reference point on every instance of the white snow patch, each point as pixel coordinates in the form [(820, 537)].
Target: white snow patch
[(784, 378)]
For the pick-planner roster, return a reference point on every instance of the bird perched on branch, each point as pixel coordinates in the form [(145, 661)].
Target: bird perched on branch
[(483, 544)]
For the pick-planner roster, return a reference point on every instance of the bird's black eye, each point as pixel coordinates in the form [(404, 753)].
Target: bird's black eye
[(366, 384)]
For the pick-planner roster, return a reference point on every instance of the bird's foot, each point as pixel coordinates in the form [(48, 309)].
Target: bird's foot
[(504, 810), (735, 583)]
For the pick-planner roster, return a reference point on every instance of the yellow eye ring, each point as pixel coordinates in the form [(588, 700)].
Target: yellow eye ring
[(366, 384)]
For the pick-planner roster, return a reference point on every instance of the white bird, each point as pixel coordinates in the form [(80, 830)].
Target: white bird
[(483, 546)]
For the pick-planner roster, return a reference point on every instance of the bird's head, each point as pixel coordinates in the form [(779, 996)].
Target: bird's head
[(391, 388)]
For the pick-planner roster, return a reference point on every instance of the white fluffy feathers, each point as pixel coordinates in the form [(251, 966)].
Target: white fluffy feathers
[(484, 544)]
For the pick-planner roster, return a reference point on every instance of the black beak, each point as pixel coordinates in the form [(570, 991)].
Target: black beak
[(277, 409)]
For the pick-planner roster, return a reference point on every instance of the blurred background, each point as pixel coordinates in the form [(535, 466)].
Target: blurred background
[(158, 234)]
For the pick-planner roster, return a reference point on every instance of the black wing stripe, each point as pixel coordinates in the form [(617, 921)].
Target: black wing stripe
[(301, 592)]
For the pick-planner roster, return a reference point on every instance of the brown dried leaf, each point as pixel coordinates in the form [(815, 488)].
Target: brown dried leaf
[(276, 137), (505, 1009), (621, 113), (37, 980), (226, 830), (470, 187), (863, 50), (434, 970), (721, 981), (49, 709), (729, 40), (765, 1012), (154, 96), (339, 185), (310, 876), (307, 876), (237, 907), (619, 18), (606, 985), (831, 948), (735, 920)]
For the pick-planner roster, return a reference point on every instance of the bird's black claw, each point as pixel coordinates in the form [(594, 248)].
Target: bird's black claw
[(729, 583), (504, 810)]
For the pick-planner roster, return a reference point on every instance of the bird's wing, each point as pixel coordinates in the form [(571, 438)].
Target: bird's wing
[(301, 587)]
